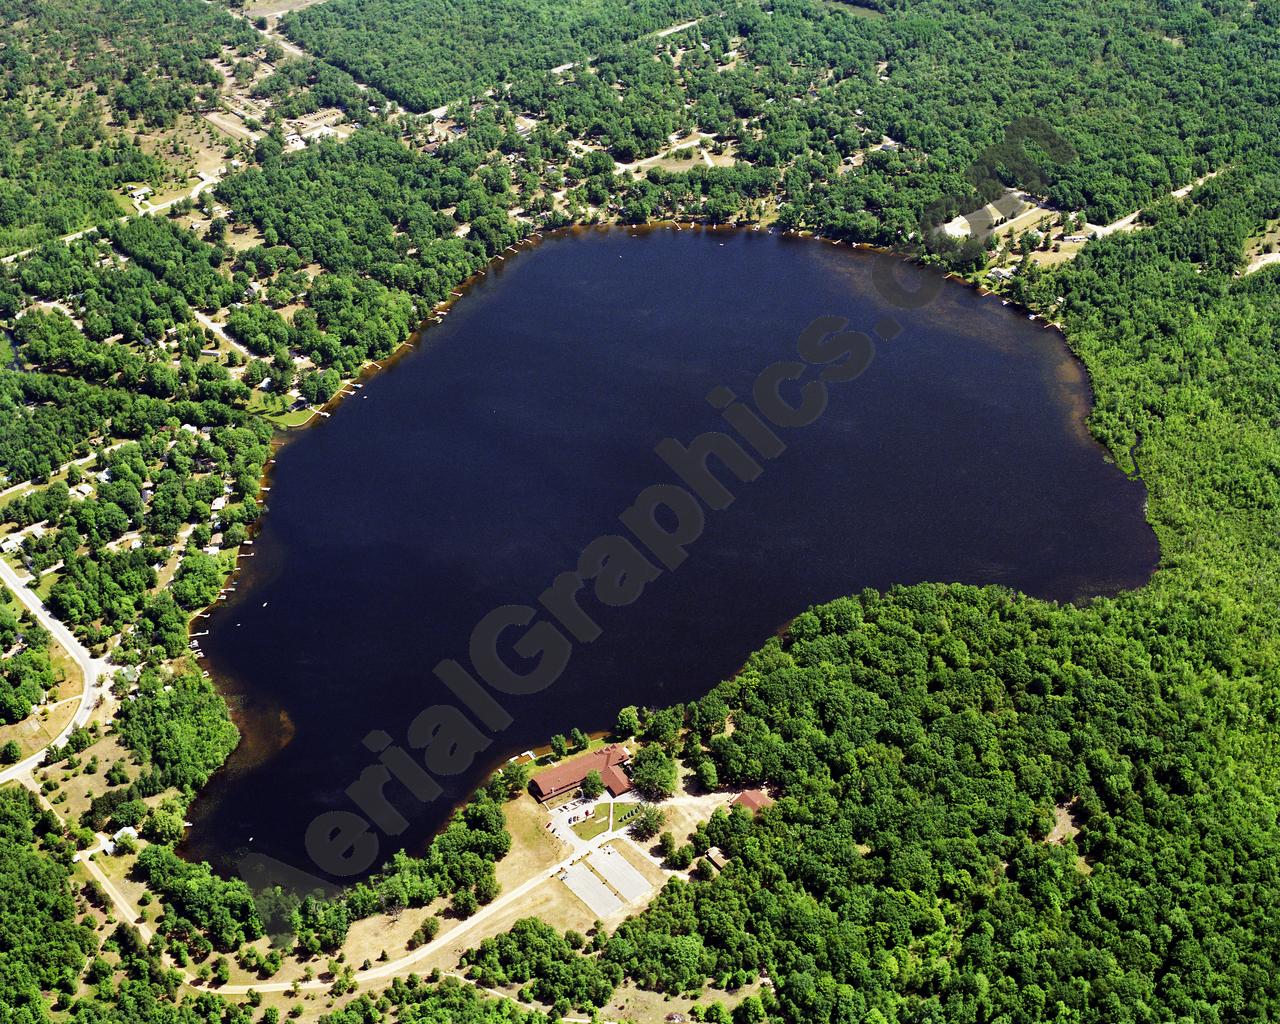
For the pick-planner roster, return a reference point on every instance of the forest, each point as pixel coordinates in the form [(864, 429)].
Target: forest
[(427, 53), (64, 151), (924, 741)]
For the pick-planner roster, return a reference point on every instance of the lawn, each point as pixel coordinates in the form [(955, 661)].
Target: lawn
[(597, 823), (292, 418)]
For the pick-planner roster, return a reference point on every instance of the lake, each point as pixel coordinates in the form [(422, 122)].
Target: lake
[(470, 473)]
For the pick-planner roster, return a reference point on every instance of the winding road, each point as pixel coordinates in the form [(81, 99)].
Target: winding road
[(206, 181), (486, 913), (95, 670)]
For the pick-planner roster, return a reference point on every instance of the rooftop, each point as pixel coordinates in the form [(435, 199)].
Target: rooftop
[(569, 774), (753, 800)]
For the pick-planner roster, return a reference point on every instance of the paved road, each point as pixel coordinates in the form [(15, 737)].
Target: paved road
[(448, 939), (206, 181), (27, 484), (127, 912), (96, 671)]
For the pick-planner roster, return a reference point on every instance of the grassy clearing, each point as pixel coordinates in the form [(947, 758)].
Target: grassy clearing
[(854, 9), (533, 847), (544, 757), (597, 823), (292, 419), (79, 786), (39, 729), (45, 585)]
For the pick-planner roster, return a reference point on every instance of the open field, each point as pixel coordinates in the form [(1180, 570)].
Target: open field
[(1263, 250), (275, 8), (46, 721), (77, 787), (533, 847)]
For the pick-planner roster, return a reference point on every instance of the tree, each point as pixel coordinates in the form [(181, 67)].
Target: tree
[(163, 825), (425, 932), (487, 888), (465, 903), (10, 753), (559, 745), (592, 785), (514, 778), (628, 723), (667, 845), (579, 739), (708, 777), (654, 773), (648, 822)]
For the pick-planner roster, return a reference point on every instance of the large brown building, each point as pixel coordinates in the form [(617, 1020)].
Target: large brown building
[(562, 778)]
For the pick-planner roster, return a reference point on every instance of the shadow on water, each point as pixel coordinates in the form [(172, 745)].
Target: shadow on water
[(476, 468)]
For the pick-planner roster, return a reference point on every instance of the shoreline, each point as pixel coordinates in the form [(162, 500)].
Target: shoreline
[(249, 723)]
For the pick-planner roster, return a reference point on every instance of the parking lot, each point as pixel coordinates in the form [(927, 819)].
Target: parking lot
[(619, 874), (588, 887)]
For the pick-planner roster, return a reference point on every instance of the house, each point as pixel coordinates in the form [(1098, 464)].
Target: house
[(569, 775), (109, 845), (753, 800), (1000, 274)]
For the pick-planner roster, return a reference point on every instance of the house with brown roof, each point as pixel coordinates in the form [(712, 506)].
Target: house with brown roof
[(754, 800), (615, 780), (569, 775)]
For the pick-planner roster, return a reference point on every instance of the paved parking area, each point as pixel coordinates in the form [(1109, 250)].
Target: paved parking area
[(583, 883), (618, 872)]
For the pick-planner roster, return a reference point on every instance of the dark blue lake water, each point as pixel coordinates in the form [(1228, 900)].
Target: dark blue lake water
[(471, 472)]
